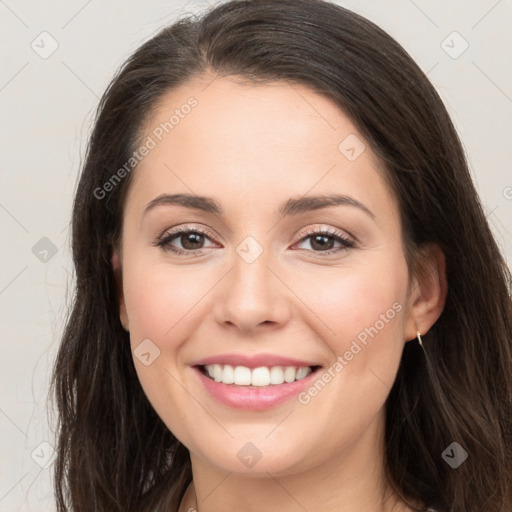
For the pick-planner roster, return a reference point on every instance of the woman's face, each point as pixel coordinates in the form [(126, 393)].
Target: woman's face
[(256, 284)]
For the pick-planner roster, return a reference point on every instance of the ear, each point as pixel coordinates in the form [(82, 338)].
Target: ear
[(117, 268), (427, 292)]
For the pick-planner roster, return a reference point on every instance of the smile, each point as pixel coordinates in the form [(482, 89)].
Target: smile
[(258, 377), (254, 389)]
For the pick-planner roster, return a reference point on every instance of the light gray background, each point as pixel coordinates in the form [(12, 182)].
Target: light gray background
[(46, 111)]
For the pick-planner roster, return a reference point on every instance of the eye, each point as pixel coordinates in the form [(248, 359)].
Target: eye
[(322, 241), (191, 240)]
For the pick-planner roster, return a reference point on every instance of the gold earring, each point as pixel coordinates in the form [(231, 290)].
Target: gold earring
[(418, 335)]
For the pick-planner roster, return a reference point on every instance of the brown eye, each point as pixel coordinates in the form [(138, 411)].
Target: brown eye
[(323, 242), (191, 240)]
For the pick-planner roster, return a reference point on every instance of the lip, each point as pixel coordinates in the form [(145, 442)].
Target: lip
[(253, 361), (253, 398)]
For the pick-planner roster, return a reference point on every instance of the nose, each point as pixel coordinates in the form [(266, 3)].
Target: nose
[(252, 296)]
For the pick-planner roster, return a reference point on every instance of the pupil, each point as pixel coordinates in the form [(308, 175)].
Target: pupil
[(191, 238), (324, 244)]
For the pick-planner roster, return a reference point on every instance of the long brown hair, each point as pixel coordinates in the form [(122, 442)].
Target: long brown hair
[(114, 452)]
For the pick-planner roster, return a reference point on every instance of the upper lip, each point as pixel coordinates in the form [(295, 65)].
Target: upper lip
[(253, 361)]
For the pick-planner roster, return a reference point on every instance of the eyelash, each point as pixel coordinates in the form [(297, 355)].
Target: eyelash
[(165, 241)]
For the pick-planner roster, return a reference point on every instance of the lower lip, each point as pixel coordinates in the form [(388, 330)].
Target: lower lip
[(253, 398)]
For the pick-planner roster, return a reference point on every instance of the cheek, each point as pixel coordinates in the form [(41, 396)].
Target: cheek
[(349, 300), (360, 313), (158, 297), (162, 306), (363, 312)]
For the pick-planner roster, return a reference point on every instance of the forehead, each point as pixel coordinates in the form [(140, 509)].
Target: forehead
[(243, 118), (242, 142)]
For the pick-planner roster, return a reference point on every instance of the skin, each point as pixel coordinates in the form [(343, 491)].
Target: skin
[(251, 148)]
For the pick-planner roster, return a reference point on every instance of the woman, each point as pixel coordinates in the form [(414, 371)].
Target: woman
[(288, 296)]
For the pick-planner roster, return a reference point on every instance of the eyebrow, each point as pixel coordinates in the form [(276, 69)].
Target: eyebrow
[(289, 208)]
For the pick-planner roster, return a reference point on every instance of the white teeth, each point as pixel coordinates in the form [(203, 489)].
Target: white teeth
[(228, 375), (242, 376), (301, 373), (289, 374), (262, 376), (217, 372), (276, 375)]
